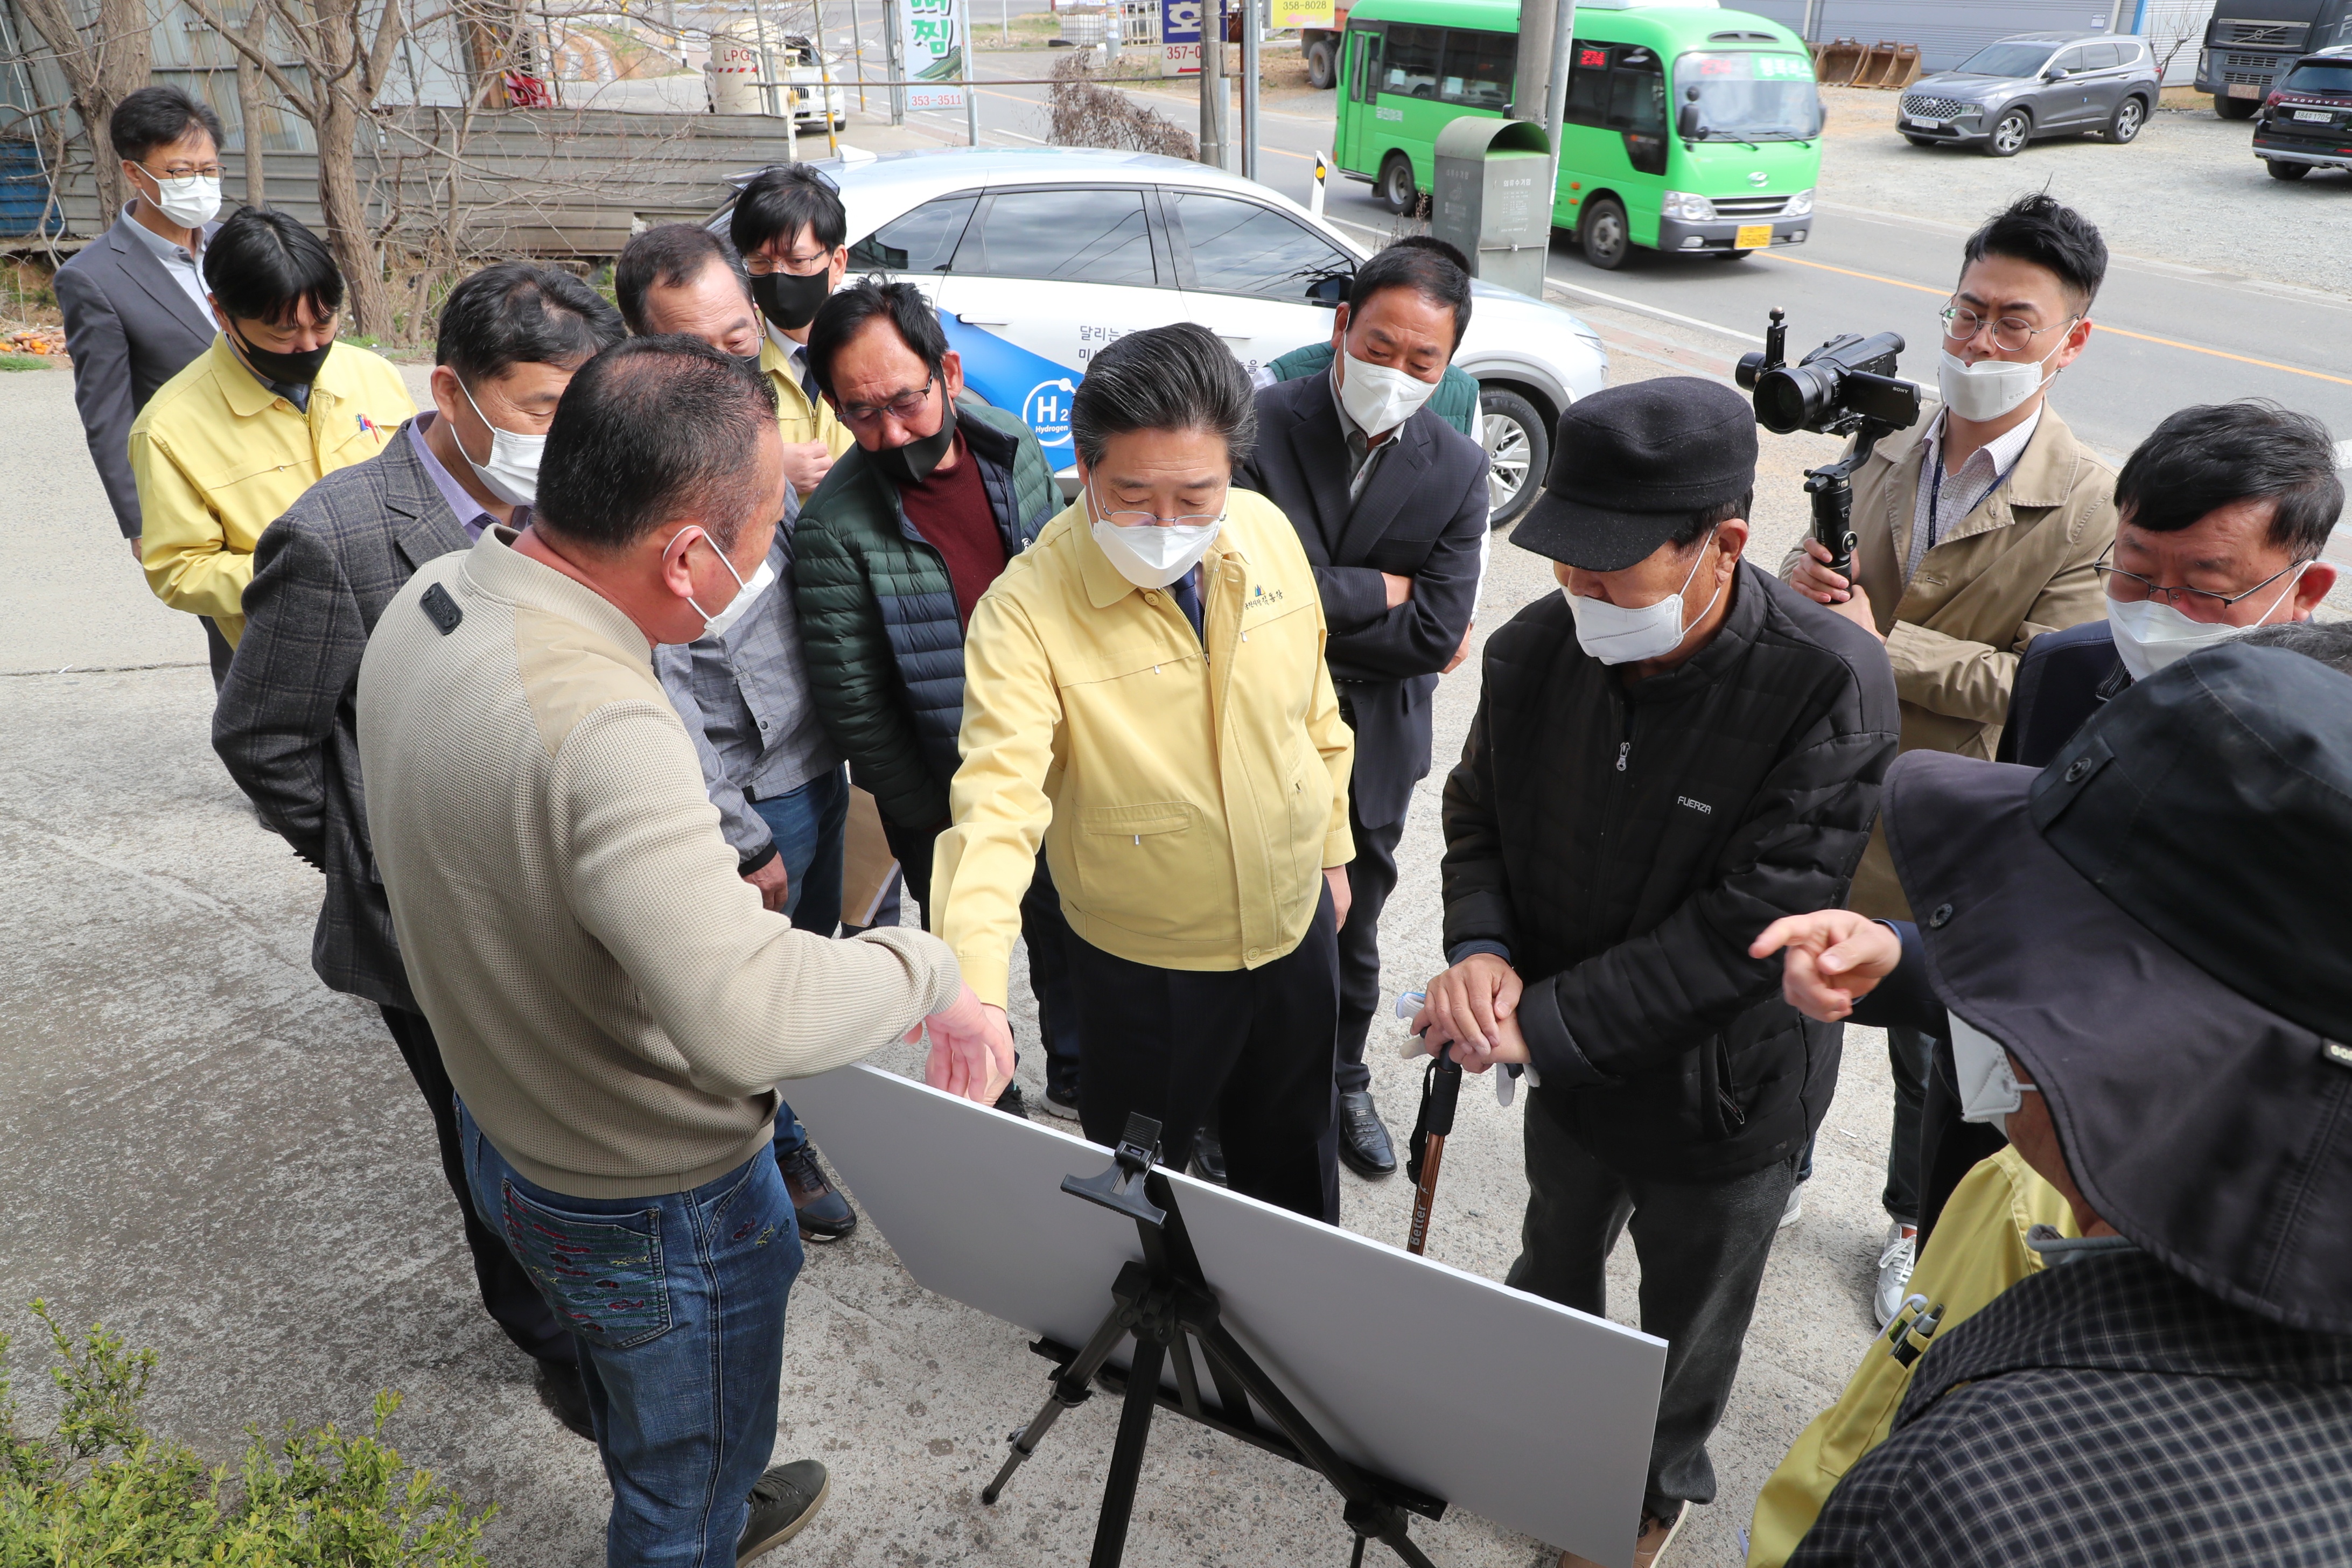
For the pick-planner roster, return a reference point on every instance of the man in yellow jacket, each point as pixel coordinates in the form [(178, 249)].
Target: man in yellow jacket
[(272, 408), (1145, 693)]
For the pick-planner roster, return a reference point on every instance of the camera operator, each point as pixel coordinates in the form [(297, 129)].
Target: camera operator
[(1978, 529)]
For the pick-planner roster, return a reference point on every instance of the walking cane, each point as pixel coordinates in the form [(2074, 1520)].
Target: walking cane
[(1441, 1091)]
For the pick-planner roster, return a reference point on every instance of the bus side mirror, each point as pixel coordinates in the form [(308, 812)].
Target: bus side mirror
[(1687, 125)]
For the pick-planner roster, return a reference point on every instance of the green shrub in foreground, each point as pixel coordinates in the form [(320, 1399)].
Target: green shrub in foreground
[(101, 1489)]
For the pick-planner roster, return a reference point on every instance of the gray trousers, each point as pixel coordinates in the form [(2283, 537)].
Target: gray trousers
[(1702, 1249)]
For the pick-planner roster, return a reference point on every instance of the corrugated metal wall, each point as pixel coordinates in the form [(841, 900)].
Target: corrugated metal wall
[(1948, 31)]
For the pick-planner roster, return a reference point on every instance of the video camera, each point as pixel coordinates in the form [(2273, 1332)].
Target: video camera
[(1847, 386)]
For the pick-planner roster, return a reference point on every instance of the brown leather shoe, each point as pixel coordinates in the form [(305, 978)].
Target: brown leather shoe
[(1649, 1546)]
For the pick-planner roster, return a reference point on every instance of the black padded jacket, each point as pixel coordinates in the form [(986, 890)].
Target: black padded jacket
[(1623, 843)]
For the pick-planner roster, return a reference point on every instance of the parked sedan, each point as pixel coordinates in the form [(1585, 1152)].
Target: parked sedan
[(2306, 121), (2033, 85), (1036, 257)]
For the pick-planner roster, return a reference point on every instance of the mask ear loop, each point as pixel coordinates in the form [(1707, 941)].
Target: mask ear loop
[(704, 534)]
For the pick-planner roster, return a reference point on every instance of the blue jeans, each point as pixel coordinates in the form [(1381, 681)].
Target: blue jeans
[(809, 823), (809, 826), (678, 1302)]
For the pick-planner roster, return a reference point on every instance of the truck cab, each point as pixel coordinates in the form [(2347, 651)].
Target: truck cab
[(2250, 44)]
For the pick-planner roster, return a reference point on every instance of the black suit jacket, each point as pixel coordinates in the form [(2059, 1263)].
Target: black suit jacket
[(285, 723), (130, 328), (2065, 677), (1423, 516)]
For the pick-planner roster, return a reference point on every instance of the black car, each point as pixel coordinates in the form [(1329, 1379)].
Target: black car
[(2306, 121)]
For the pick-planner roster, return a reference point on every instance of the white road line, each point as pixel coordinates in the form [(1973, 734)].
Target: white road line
[(2344, 454), (1624, 304)]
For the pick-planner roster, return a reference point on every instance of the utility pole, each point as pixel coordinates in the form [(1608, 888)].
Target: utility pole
[(1249, 88), (1533, 78), (1213, 83), (1563, 39), (893, 47)]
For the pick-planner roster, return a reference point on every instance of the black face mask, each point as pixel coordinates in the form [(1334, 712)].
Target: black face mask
[(912, 463), (791, 302), (286, 369)]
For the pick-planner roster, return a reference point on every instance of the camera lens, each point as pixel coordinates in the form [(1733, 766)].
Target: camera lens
[(1783, 399)]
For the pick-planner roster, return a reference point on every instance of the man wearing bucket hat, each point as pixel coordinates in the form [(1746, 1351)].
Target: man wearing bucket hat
[(2114, 941), (1676, 745)]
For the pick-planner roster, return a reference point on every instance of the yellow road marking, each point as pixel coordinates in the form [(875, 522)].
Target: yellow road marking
[(2099, 325)]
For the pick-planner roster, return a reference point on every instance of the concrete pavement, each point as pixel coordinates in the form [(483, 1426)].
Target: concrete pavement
[(222, 1159)]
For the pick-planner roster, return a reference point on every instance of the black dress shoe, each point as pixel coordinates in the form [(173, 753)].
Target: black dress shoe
[(824, 1213), (1208, 1157), (783, 1502), (561, 1390), (1364, 1145), (1013, 1103)]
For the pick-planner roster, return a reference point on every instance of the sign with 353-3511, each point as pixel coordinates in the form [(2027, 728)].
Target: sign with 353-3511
[(935, 39)]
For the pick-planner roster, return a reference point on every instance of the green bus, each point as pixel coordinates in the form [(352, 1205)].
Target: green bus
[(1690, 128)]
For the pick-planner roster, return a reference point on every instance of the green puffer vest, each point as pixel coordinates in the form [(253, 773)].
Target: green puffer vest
[(878, 625)]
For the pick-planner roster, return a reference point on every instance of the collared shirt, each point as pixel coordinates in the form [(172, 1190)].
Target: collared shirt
[(1943, 499), (218, 456), (185, 265), (471, 514), (1363, 453), (744, 699), (799, 416)]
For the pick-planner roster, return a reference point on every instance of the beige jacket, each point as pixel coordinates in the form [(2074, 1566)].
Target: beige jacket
[(612, 1004), (2018, 565)]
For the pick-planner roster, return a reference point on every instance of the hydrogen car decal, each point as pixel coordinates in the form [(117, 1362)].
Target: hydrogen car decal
[(1010, 376)]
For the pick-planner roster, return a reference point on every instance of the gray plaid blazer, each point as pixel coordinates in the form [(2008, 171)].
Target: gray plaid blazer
[(285, 723), (2107, 1411)]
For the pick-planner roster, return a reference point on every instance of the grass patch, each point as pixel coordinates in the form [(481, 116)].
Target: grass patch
[(22, 362)]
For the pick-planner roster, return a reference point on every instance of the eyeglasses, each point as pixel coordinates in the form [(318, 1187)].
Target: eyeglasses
[(2129, 587), (1152, 519), (185, 171), (759, 264), (2011, 335), (904, 407)]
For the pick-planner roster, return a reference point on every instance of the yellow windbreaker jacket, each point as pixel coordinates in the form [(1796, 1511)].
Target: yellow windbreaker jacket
[(1188, 800), (798, 419), (218, 456)]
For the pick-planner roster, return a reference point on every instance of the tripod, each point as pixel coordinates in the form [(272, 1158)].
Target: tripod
[(1165, 1306)]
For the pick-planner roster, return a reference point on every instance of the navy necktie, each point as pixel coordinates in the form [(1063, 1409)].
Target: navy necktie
[(1187, 599)]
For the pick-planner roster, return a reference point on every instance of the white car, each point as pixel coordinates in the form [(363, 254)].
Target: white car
[(1036, 257)]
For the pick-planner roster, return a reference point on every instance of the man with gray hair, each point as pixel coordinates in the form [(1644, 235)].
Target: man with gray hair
[(613, 1004), (1145, 694)]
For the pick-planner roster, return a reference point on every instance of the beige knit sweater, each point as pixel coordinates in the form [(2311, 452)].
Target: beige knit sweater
[(613, 1004)]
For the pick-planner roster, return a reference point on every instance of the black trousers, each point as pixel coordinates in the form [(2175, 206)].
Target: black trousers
[(1906, 1057), (508, 1294), (217, 651), (1252, 1044), (1702, 1249), (1371, 878)]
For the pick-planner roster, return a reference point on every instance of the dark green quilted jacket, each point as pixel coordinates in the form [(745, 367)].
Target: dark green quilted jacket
[(879, 623), (1455, 401)]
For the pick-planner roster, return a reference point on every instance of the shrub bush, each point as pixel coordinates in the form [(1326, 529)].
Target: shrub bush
[(99, 1488)]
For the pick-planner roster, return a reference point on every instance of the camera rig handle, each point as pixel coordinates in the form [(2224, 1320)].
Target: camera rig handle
[(1833, 491)]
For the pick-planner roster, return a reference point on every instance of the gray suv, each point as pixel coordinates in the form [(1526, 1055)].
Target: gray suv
[(2032, 86)]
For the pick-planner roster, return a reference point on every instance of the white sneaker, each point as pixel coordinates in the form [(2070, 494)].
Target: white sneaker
[(1796, 1209), (1894, 1267)]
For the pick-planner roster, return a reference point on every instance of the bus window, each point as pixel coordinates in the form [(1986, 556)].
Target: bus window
[(1637, 106), (1587, 83), (1478, 68), (1751, 97), (1365, 79), (1411, 69)]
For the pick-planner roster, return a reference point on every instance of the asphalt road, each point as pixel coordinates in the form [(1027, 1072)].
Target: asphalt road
[(2168, 334)]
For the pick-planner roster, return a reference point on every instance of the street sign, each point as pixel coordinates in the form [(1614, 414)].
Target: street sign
[(1180, 37), (936, 40), (1301, 14)]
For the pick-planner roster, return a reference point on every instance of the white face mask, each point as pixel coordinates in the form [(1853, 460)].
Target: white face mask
[(1380, 397), (1615, 634), (512, 472), (190, 202), (746, 593), (2150, 634), (1990, 1090), (1152, 555), (1990, 387)]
